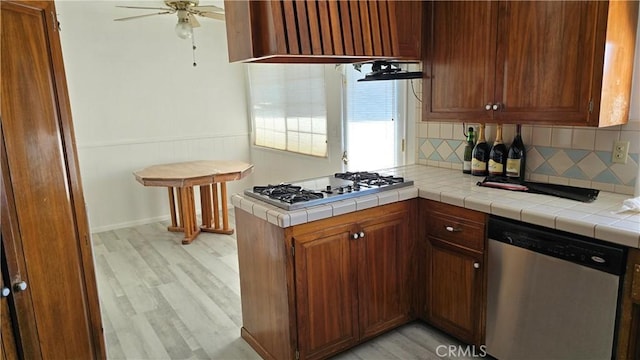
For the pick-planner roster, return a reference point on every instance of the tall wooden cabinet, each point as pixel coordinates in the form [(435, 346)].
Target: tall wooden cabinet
[(555, 62), (52, 310), (455, 273), (327, 285)]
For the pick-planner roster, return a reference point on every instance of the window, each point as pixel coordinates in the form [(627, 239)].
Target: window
[(288, 107), (372, 123)]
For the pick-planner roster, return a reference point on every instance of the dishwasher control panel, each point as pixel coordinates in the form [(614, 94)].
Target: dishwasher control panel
[(579, 249)]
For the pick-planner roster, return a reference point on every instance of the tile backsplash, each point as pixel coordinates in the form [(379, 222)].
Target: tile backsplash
[(577, 156)]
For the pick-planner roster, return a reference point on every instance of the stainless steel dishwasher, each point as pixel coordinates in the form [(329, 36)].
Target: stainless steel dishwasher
[(550, 294)]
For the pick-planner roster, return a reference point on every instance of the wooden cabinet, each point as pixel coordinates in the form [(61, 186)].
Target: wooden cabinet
[(332, 283), (53, 309), (326, 291), (351, 282), (628, 346), (455, 272), (319, 31), (557, 62)]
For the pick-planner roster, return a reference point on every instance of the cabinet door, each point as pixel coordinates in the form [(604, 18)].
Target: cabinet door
[(544, 60), (326, 292), (382, 274), (459, 64), (454, 290)]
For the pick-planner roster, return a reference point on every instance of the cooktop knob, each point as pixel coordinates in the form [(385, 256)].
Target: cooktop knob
[(328, 189)]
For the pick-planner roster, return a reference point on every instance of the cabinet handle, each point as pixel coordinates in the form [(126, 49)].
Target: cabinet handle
[(488, 106), (5, 291), (476, 265), (355, 236), (20, 286), (497, 106), (361, 234), (453, 229)]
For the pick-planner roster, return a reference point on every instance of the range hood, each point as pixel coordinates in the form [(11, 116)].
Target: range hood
[(390, 70)]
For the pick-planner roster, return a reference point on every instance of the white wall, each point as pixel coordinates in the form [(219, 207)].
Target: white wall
[(137, 100)]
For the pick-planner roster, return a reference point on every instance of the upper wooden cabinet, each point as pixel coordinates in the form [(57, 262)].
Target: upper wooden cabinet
[(554, 62), (321, 31)]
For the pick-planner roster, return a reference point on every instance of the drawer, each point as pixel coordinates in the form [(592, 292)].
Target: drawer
[(456, 230)]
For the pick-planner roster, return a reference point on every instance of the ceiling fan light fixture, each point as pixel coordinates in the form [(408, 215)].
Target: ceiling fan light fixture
[(184, 30)]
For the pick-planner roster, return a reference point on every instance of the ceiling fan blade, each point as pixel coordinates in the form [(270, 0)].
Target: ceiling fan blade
[(211, 15), (211, 8), (141, 16), (194, 22), (144, 7)]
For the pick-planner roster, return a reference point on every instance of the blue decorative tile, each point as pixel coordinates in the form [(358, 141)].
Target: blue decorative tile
[(454, 143), (576, 155), (608, 177), (435, 142), (454, 158), (546, 152), (546, 169), (605, 156), (576, 173), (436, 156)]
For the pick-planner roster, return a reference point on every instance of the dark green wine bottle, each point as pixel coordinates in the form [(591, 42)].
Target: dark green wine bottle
[(468, 152)]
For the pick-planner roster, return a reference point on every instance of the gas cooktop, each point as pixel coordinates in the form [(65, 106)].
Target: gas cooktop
[(326, 189)]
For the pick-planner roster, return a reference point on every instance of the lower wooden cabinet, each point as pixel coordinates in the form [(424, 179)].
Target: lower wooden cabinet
[(313, 290), (629, 322), (455, 274)]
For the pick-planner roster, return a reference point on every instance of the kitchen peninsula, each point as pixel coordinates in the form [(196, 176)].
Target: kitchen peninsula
[(353, 258)]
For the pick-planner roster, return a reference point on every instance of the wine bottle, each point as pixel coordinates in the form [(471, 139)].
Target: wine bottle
[(516, 157), (498, 155), (480, 155), (468, 152)]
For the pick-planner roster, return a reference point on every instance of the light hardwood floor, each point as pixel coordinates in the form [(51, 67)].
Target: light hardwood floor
[(164, 300)]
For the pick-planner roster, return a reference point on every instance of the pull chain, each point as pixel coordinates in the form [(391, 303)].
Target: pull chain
[(193, 49)]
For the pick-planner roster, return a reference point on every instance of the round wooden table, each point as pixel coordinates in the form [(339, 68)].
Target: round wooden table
[(183, 176)]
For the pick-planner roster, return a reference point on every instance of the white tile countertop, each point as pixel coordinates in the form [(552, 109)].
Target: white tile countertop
[(596, 219)]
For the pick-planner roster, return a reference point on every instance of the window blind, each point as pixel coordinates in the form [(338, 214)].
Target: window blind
[(288, 107)]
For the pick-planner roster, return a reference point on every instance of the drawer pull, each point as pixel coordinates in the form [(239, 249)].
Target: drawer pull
[(453, 229), (476, 265)]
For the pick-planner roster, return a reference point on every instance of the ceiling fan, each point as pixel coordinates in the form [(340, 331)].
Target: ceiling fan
[(186, 11)]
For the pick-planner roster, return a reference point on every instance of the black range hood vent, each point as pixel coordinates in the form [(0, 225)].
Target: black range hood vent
[(390, 70)]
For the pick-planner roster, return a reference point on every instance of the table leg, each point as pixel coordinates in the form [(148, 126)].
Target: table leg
[(191, 230), (205, 205), (216, 211), (174, 227), (172, 210), (225, 210), (225, 229)]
